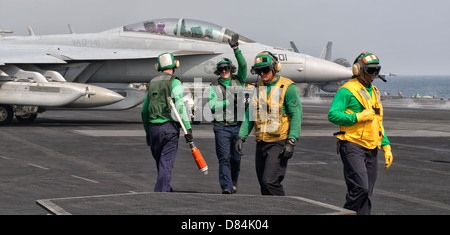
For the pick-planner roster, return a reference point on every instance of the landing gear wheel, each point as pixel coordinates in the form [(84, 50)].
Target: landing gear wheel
[(27, 118), (6, 114)]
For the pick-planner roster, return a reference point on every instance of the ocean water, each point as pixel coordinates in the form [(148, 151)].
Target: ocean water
[(411, 85)]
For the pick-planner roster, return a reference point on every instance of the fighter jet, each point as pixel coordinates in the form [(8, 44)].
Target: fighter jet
[(96, 70)]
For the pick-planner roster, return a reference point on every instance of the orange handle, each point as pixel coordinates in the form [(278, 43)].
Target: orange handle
[(199, 160)]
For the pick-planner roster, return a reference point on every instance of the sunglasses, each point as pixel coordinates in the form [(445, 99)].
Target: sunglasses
[(264, 70), (372, 70)]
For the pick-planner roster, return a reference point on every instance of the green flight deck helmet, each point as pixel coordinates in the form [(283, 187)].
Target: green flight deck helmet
[(266, 59), (366, 62), (224, 62), (166, 61)]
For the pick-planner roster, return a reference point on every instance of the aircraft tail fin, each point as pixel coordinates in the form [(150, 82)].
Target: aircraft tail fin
[(30, 31), (326, 52), (71, 30), (294, 47)]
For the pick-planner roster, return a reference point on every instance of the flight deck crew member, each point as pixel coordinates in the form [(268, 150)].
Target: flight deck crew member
[(223, 103), (161, 127), (357, 109), (276, 114)]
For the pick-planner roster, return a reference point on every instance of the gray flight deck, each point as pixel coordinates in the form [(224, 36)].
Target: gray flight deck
[(188, 204), (97, 162)]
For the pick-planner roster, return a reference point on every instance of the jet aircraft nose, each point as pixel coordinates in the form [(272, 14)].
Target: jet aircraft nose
[(325, 71)]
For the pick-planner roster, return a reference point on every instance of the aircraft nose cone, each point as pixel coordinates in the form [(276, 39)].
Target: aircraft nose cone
[(325, 71), (105, 96), (101, 97)]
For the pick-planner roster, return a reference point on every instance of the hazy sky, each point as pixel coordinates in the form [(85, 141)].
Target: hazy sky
[(409, 36)]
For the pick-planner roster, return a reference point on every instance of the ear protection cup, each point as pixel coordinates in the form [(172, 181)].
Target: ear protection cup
[(276, 65), (233, 68), (216, 72), (356, 69)]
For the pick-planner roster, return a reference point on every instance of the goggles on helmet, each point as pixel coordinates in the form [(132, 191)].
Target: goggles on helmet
[(223, 68), (264, 70), (372, 70)]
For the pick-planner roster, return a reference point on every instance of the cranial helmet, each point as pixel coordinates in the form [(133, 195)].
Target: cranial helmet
[(366, 62), (223, 63), (266, 58), (166, 61)]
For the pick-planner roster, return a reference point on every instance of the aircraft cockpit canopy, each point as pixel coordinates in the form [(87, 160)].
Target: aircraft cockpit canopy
[(188, 28)]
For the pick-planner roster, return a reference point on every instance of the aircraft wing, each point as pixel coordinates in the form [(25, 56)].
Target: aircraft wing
[(11, 56), (64, 54), (118, 54)]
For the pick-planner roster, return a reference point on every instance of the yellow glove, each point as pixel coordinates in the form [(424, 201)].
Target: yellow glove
[(365, 115), (388, 156)]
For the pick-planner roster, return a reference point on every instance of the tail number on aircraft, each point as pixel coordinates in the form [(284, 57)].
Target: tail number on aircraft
[(281, 57), (86, 42)]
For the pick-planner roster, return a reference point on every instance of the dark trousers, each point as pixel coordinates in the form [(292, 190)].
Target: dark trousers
[(164, 145), (360, 173), (270, 170), (229, 159)]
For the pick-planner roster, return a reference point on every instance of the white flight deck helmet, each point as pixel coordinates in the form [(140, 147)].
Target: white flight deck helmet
[(166, 61)]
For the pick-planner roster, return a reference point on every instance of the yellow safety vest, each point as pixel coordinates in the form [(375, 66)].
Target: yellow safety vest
[(369, 133), (270, 123)]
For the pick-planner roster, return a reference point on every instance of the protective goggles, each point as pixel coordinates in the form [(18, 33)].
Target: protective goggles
[(372, 70), (264, 70), (221, 69)]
